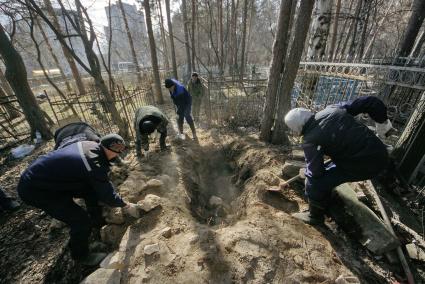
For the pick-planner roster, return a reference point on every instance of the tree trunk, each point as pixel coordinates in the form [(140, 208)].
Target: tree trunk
[(171, 35), (16, 74), (414, 25), (335, 29), (280, 47), (55, 58), (96, 70), (130, 42), (339, 51), (410, 146), (194, 16), (291, 69), (164, 42), (221, 44), (364, 21), (154, 59), (321, 24), (7, 92), (418, 46), (5, 102), (355, 27), (68, 56), (186, 42), (244, 24)]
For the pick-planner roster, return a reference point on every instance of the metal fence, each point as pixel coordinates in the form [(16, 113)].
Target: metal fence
[(91, 108)]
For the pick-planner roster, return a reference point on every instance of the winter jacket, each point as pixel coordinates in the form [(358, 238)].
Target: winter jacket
[(181, 97), (74, 132), (352, 146), (153, 114), (196, 90), (81, 165)]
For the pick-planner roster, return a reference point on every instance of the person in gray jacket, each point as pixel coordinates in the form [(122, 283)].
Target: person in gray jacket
[(146, 120)]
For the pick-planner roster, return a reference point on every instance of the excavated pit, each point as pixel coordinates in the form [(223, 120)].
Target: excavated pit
[(208, 176)]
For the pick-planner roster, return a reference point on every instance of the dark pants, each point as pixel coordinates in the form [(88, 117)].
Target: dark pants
[(319, 189), (196, 103), (184, 112), (4, 200), (60, 205)]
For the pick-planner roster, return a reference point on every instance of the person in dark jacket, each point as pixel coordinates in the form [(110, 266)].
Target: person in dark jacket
[(75, 132), (183, 102), (356, 153), (146, 120), (79, 170), (196, 89)]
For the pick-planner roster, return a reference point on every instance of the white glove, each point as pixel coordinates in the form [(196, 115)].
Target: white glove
[(132, 210), (302, 173), (383, 128)]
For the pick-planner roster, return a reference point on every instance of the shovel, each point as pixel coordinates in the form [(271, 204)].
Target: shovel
[(281, 186)]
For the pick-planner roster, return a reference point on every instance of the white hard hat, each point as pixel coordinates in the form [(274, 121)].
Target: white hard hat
[(296, 118)]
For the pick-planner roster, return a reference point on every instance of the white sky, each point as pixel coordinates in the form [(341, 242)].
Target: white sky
[(96, 10)]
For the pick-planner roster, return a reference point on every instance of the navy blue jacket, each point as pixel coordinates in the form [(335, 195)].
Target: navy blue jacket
[(180, 96), (82, 165), (74, 132), (351, 145), (371, 105)]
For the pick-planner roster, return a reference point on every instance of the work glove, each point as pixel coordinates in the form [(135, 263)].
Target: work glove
[(132, 209), (301, 173), (383, 128)]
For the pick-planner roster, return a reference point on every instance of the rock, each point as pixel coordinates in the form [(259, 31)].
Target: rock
[(130, 239), (360, 222), (216, 201), (166, 232), (102, 275), (112, 234), (193, 239), (150, 202), (292, 168), (347, 280), (115, 216), (298, 155), (151, 249), (415, 252), (114, 260), (154, 183)]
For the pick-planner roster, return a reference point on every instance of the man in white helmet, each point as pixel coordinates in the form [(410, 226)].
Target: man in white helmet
[(356, 152)]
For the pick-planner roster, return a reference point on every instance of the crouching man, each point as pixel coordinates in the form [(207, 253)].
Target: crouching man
[(79, 170), (75, 132), (148, 119), (356, 153)]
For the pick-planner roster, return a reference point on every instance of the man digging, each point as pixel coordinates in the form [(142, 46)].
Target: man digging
[(356, 153), (79, 170), (146, 120)]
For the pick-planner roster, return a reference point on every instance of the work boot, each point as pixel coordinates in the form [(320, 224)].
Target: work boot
[(93, 259), (315, 215), (192, 127)]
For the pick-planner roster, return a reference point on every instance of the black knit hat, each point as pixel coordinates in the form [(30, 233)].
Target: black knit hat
[(169, 83), (113, 142), (195, 74)]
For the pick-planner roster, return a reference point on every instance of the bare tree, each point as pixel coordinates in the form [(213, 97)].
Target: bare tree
[(291, 67), (171, 36), (16, 75), (6, 94), (280, 47), (321, 24), (192, 40), (75, 73), (164, 42), (415, 22), (186, 39), (243, 42), (154, 59), (335, 29), (418, 45)]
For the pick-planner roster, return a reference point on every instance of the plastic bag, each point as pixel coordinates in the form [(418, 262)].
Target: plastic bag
[(22, 151)]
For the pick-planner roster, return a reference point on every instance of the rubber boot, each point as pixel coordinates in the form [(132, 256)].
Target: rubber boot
[(314, 216), (93, 259), (192, 127)]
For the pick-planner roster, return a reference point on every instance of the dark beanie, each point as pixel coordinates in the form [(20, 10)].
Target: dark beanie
[(195, 74), (169, 83), (113, 142)]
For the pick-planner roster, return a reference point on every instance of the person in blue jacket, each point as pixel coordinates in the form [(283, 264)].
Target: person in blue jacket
[(355, 151), (79, 170), (183, 102)]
